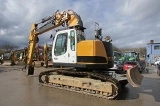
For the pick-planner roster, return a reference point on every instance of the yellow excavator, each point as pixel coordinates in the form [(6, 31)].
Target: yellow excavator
[(84, 64), (47, 55), (40, 57), (8, 57)]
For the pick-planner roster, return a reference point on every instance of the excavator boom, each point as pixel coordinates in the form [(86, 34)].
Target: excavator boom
[(66, 18)]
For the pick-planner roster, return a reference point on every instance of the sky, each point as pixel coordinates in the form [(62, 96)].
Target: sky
[(130, 23)]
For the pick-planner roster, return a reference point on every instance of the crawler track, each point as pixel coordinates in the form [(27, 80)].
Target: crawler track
[(95, 86)]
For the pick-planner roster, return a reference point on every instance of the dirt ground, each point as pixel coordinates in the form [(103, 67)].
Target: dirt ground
[(16, 89)]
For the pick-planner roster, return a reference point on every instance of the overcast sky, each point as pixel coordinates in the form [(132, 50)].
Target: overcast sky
[(130, 23)]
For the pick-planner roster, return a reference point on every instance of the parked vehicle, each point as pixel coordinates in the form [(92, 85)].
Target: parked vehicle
[(157, 62), (130, 56), (130, 64), (117, 65)]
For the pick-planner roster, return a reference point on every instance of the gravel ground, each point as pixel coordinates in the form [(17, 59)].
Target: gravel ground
[(19, 90)]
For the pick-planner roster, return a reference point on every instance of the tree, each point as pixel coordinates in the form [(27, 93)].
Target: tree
[(141, 50), (8, 47), (116, 49)]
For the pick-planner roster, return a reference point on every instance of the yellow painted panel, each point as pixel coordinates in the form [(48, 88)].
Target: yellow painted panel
[(91, 48)]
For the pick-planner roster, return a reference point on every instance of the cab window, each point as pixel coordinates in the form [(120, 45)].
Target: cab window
[(72, 40), (61, 44)]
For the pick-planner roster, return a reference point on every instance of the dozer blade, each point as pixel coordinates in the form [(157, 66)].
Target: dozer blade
[(134, 77)]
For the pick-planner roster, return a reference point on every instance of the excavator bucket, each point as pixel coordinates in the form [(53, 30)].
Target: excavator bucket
[(134, 77)]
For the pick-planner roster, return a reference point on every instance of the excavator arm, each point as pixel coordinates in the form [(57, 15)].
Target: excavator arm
[(67, 19)]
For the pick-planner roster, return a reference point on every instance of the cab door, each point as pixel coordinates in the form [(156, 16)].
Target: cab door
[(64, 47), (60, 47), (72, 44)]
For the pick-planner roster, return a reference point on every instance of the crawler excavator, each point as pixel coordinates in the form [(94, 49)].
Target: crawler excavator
[(47, 55), (84, 64), (8, 57)]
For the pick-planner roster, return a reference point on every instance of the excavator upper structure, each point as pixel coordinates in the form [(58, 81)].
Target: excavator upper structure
[(84, 64)]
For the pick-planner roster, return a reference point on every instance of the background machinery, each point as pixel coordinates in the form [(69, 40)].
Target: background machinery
[(84, 63), (39, 56), (129, 56), (47, 55), (8, 58), (133, 56), (117, 55)]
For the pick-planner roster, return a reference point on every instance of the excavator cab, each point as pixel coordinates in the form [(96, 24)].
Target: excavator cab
[(64, 49)]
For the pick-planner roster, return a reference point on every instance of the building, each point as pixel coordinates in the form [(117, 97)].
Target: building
[(152, 52)]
